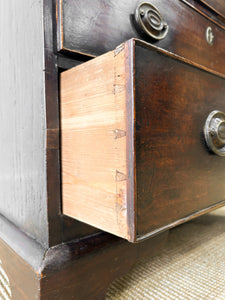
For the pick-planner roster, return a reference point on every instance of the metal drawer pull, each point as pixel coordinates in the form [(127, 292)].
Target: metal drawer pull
[(150, 20), (214, 131), (209, 36)]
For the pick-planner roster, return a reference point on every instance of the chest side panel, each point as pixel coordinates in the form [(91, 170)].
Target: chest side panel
[(23, 195)]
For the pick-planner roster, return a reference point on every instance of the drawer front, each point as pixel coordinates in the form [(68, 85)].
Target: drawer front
[(217, 5), (95, 27), (176, 175), (134, 159)]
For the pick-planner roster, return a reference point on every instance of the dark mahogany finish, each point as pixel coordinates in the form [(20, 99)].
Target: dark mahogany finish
[(94, 27), (60, 228), (207, 11), (176, 174), (168, 100), (217, 5), (32, 227), (34, 248), (76, 270)]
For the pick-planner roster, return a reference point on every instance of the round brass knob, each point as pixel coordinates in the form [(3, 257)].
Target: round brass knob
[(150, 20), (214, 132)]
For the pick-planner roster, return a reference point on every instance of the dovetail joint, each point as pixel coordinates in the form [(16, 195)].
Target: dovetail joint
[(119, 133), (120, 176), (119, 49)]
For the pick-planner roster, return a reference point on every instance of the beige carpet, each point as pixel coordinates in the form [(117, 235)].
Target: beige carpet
[(191, 266)]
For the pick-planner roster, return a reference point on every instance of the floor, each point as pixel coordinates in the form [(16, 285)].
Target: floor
[(191, 266)]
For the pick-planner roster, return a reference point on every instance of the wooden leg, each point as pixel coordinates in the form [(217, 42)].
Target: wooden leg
[(77, 270), (85, 269)]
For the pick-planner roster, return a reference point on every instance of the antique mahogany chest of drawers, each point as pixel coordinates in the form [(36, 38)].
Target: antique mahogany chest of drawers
[(113, 132)]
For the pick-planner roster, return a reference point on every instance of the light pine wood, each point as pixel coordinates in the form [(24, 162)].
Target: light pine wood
[(94, 141)]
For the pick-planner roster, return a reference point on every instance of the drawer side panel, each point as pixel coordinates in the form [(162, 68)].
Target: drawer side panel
[(94, 157)]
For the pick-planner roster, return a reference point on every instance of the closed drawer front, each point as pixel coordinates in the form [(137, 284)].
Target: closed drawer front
[(95, 27), (217, 5), (134, 159)]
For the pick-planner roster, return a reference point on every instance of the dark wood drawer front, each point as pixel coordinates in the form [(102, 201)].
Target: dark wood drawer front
[(134, 158), (176, 175), (95, 27), (217, 5)]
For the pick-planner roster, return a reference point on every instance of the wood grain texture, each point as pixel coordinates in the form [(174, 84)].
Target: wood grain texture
[(80, 269), (171, 98), (24, 284), (30, 159), (217, 5), (52, 124), (94, 144), (176, 174), (60, 227), (84, 270), (96, 27), (23, 119), (21, 259), (206, 11)]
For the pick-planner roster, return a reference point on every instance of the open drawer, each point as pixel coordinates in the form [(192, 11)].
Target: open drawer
[(134, 157)]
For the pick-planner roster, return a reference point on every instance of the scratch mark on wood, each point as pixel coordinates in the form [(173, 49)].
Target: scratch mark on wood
[(119, 49)]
